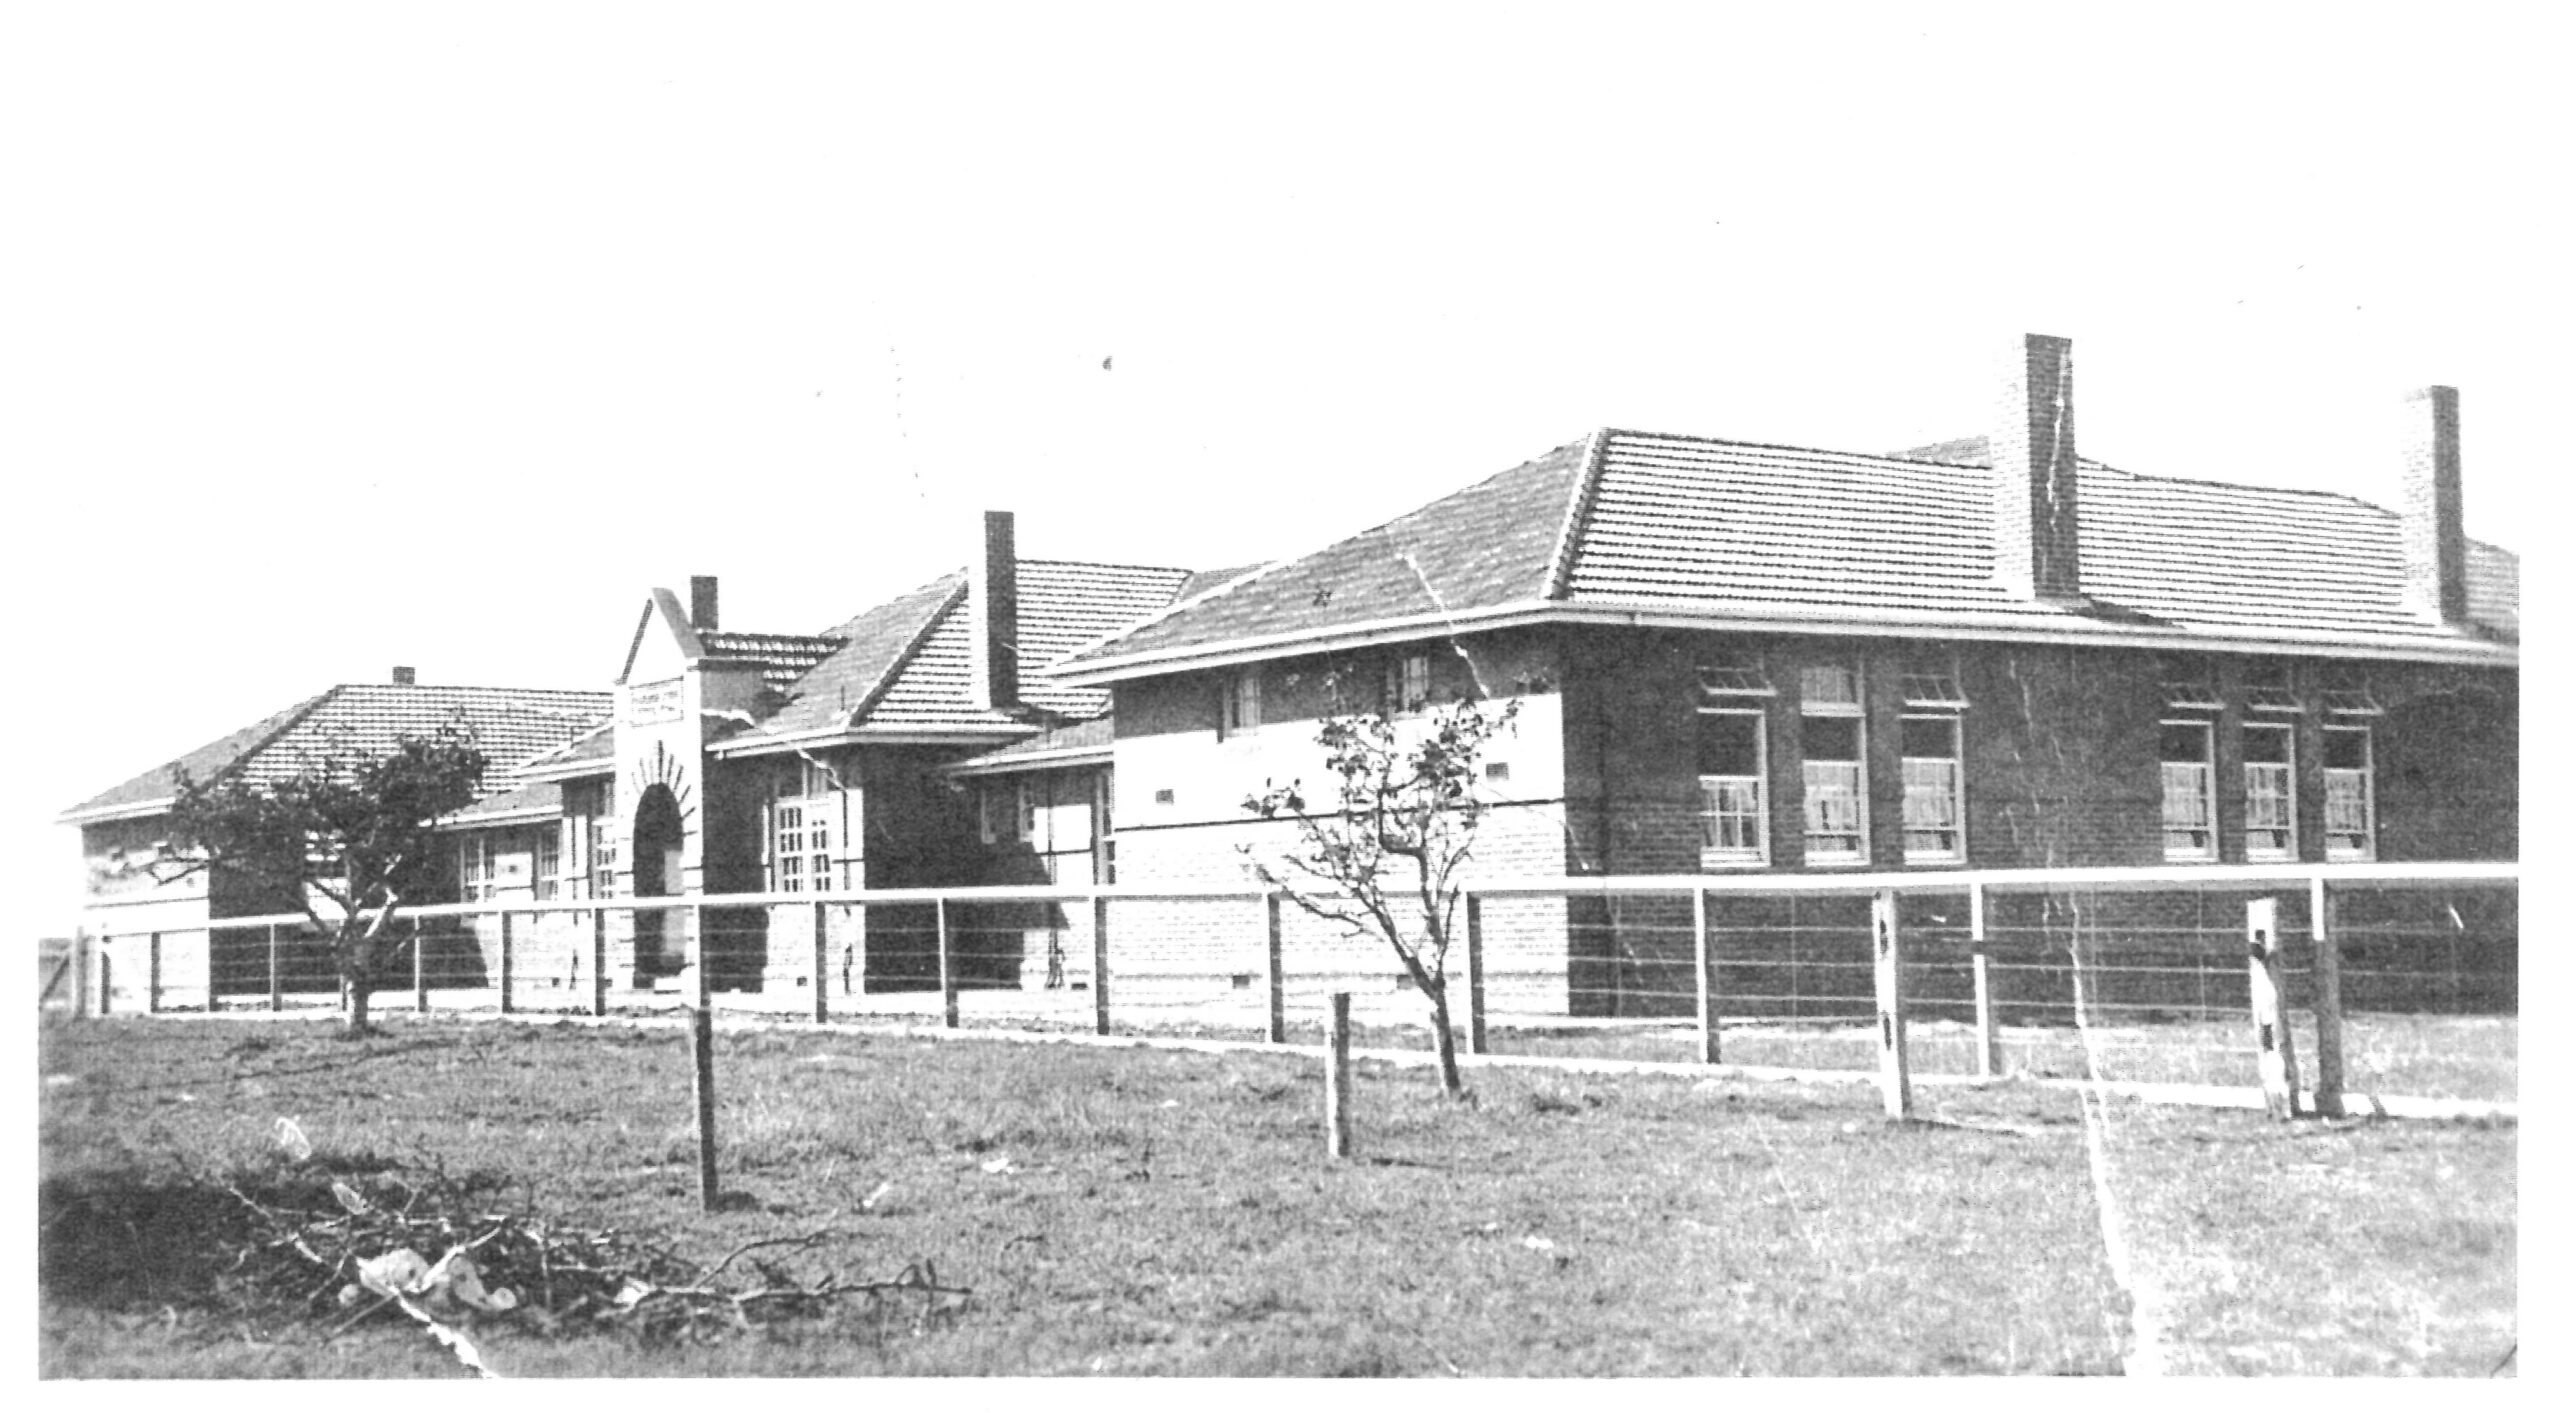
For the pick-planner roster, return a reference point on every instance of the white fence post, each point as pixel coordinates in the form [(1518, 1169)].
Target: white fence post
[(2278, 1076), (1892, 1033), (942, 950), (1710, 1036)]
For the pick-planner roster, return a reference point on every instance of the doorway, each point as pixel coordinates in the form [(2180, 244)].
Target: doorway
[(657, 871)]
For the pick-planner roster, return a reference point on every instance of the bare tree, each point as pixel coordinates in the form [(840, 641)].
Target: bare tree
[(1404, 823), (354, 832)]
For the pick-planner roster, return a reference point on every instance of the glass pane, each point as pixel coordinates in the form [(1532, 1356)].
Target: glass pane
[(2186, 741), (1830, 684), (1832, 738), (2343, 750), (2272, 745), (1728, 743), (1929, 736)]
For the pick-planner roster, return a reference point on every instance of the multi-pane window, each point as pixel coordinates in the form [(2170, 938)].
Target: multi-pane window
[(1240, 704), (2266, 761), (804, 809), (2346, 777), (546, 861), (601, 854), (1106, 846), (1409, 682), (1835, 764), (2186, 791), (1733, 764), (479, 869), (1026, 808), (1932, 789)]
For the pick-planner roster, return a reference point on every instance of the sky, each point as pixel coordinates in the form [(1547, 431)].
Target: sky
[(337, 338)]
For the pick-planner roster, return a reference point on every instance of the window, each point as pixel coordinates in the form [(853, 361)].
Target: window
[(2186, 791), (1409, 682), (1106, 844), (546, 860), (991, 811), (2346, 777), (1240, 705), (804, 810), (1026, 808), (1932, 789), (1835, 764), (601, 855), (479, 869), (2186, 684), (2266, 757), (1733, 766)]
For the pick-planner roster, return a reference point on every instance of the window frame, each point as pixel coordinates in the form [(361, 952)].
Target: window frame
[(800, 833), (1757, 855), (1860, 790), (548, 861), (1239, 704), (2369, 851), (1954, 762), (2211, 851), (2290, 848), (1408, 682)]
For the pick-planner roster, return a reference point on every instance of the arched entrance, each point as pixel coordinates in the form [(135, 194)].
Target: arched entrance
[(657, 871)]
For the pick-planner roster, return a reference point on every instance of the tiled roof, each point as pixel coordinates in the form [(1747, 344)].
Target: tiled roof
[(905, 664), (511, 725), (1488, 544), (1700, 529), (785, 657), (541, 797), (593, 747), (1090, 735)]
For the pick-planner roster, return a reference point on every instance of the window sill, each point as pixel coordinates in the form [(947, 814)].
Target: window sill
[(1735, 861), (1835, 862), (1933, 861)]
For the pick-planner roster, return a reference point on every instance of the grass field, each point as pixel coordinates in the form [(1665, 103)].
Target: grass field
[(1120, 1211)]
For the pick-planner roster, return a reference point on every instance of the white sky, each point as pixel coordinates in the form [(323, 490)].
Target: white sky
[(336, 339)]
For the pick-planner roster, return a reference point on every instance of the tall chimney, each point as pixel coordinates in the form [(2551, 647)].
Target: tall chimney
[(993, 669), (2035, 474), (2431, 505), (404, 677), (706, 603)]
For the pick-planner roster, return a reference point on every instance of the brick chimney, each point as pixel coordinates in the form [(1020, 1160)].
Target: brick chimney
[(2035, 474), (2432, 545), (706, 603), (993, 668), (404, 677)]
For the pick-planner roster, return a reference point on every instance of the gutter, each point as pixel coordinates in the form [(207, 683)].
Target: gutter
[(1823, 623)]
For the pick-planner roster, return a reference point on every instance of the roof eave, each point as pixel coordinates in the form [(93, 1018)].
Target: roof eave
[(1032, 761), (868, 736), (1828, 622), (108, 814)]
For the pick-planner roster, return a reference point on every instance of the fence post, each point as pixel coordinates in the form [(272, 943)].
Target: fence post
[(595, 961), (1101, 967), (1986, 1013), (275, 968), (507, 962), (818, 962), (151, 995), (418, 962), (942, 950), (81, 945), (857, 944), (1278, 1030), (1710, 1036), (1892, 1033), (1337, 1077), (705, 1118), (2277, 1074), (106, 978), (2329, 1095), (1478, 1042)]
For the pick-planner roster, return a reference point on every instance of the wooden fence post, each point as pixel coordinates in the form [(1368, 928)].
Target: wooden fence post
[(2277, 1074), (507, 962), (151, 994), (2329, 1096), (106, 978), (82, 947), (1277, 1032), (942, 949), (818, 962), (1892, 1033), (856, 948), (595, 961), (1710, 1035), (705, 1112), (418, 962), (1986, 1019), (275, 968), (1479, 1042), (1337, 1077), (1101, 967)]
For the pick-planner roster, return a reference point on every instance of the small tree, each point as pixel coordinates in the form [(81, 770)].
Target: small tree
[(356, 832), (1405, 823)]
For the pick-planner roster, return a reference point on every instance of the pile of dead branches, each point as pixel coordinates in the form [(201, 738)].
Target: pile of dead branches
[(383, 1248)]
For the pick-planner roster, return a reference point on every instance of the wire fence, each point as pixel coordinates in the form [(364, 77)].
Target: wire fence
[(2132, 974)]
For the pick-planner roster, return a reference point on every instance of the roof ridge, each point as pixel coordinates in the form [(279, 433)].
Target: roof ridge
[(1586, 480), (1100, 564), (1179, 603)]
